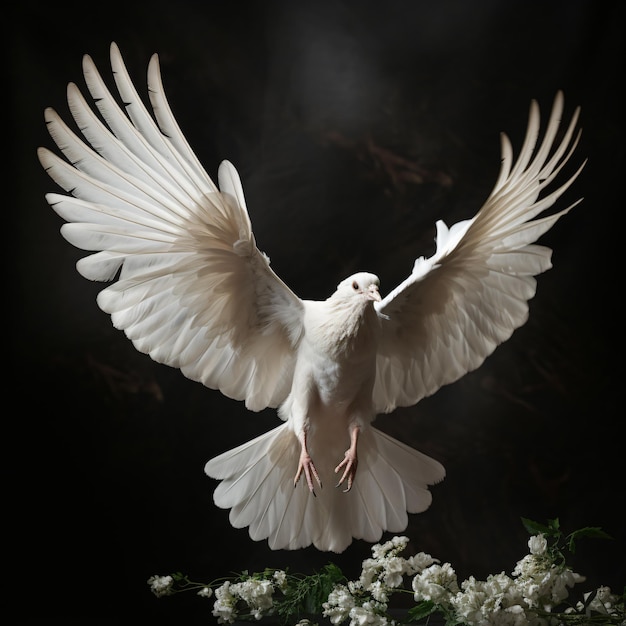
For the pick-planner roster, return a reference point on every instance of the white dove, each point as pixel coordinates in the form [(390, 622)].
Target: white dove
[(191, 289)]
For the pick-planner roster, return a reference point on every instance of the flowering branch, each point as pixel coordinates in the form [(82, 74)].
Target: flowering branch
[(536, 593)]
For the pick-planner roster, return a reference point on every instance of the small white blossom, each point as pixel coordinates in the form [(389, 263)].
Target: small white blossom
[(469, 603), (366, 615), (603, 603), (397, 544), (280, 577), (543, 584), (205, 592), (561, 580), (379, 591), (387, 568), (494, 602), (355, 587), (369, 573), (418, 562), (394, 568), (538, 545), (436, 583), (528, 567), (257, 594), (161, 585), (224, 607), (338, 605)]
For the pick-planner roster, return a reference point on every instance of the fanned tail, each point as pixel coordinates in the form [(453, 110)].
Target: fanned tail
[(257, 486)]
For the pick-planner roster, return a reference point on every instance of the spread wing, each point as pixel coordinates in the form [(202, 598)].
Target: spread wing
[(190, 287), (458, 305)]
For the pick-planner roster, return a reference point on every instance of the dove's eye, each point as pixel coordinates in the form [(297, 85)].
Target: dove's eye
[(355, 285)]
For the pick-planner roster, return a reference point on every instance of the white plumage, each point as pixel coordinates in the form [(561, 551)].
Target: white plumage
[(191, 289)]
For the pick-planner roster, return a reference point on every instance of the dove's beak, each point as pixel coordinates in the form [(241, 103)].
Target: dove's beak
[(372, 293)]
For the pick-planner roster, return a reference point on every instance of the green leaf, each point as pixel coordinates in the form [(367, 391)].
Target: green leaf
[(594, 532), (307, 594), (535, 528), (551, 529), (421, 611)]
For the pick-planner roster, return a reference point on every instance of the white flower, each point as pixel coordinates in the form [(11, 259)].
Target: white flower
[(494, 602), (512, 616), (355, 587), (366, 614), (400, 543), (418, 562), (369, 573), (469, 602), (397, 544), (205, 592), (379, 550), (528, 567), (543, 584), (538, 545), (387, 568), (379, 591), (394, 568), (224, 607), (280, 577), (560, 582), (161, 585), (338, 605), (436, 583), (603, 603), (257, 594)]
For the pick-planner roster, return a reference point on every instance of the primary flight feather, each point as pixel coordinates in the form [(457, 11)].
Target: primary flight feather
[(191, 289)]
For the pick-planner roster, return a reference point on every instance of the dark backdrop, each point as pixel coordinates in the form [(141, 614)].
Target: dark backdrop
[(355, 125)]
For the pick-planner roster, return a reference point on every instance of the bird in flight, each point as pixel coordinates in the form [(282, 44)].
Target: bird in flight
[(190, 288)]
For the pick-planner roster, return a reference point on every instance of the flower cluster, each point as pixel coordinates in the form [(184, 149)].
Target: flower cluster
[(366, 600), (535, 594), (254, 593)]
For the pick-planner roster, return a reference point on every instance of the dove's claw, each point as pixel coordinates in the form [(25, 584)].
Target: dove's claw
[(310, 472), (350, 463)]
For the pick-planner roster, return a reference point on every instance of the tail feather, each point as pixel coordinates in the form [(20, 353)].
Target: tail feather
[(257, 486), (417, 470), (383, 476)]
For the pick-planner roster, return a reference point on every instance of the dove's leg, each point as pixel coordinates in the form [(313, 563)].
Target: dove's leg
[(306, 465), (350, 460)]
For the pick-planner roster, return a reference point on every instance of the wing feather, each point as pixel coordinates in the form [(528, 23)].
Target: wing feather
[(457, 306), (192, 289), (166, 120)]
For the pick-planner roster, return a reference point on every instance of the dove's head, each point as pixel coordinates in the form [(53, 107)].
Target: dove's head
[(361, 285)]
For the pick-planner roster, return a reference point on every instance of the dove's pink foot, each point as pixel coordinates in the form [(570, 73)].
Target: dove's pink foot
[(350, 461), (306, 465)]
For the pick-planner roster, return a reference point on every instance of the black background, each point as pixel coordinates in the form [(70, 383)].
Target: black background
[(354, 125)]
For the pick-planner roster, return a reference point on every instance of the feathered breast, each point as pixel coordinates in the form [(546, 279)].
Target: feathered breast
[(343, 328)]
